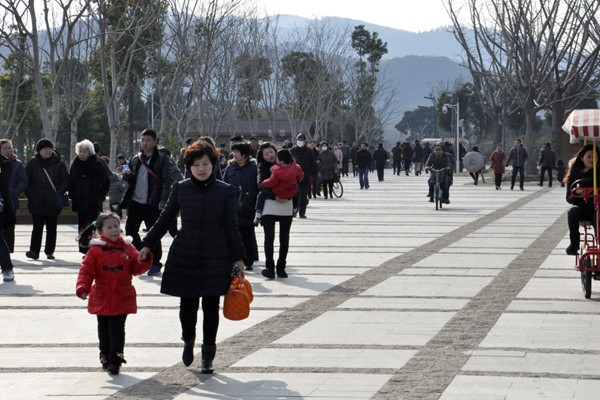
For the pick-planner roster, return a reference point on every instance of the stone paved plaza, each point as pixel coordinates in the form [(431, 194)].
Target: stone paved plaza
[(387, 299)]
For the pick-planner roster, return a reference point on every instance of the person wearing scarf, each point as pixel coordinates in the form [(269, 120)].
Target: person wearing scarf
[(498, 160)]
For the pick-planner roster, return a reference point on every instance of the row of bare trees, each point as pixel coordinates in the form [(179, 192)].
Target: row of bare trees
[(199, 67), (530, 56)]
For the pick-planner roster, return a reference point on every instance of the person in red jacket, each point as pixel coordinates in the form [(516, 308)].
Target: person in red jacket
[(283, 183), (105, 275)]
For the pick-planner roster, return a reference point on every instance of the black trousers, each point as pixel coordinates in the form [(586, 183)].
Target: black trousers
[(574, 216), (285, 224), (303, 196), (345, 161), (543, 172), (5, 261), (136, 214), (188, 316), (35, 244), (249, 239), (111, 334), (498, 178), (9, 237), (380, 171), (517, 170)]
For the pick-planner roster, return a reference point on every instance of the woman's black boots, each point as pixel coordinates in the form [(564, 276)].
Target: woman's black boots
[(269, 271), (188, 351), (208, 355), (281, 269)]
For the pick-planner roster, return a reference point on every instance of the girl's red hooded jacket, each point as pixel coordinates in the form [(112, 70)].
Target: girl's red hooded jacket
[(106, 273)]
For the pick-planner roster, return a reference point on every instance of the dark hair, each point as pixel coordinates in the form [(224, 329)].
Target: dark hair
[(120, 157), (243, 148), (560, 162), (199, 149), (149, 132), (259, 152), (87, 233), (285, 155), (576, 163)]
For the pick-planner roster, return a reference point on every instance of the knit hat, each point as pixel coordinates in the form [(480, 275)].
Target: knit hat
[(42, 144)]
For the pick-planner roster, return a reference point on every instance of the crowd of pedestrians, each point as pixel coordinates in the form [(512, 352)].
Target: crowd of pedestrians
[(211, 200)]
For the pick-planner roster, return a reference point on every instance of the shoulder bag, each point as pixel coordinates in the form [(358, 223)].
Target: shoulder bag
[(61, 200)]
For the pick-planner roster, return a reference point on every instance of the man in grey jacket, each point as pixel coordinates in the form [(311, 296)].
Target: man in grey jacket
[(547, 162), (518, 155)]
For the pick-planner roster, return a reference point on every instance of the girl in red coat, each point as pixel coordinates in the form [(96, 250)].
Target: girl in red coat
[(105, 275), (282, 184)]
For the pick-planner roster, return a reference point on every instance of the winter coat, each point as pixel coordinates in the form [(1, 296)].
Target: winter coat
[(88, 185), (407, 153), (363, 158), (106, 273), (547, 158), (244, 178), (305, 158), (284, 180), (442, 161), (40, 194), (158, 189), (339, 156), (397, 153), (380, 156), (202, 254), (498, 159), (518, 156), (18, 182), (7, 211), (418, 153), (264, 172), (327, 162), (116, 189)]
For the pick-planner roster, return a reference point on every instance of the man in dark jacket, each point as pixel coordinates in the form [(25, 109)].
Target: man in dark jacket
[(345, 157), (396, 158), (363, 161), (518, 156), (547, 162), (149, 178), (380, 157), (305, 158), (418, 157)]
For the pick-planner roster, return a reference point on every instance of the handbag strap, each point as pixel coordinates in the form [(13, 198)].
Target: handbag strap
[(51, 183)]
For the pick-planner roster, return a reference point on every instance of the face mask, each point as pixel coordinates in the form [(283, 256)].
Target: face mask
[(324, 148), (300, 143)]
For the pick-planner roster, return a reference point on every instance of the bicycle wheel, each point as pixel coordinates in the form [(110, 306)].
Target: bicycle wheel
[(338, 189), (586, 279)]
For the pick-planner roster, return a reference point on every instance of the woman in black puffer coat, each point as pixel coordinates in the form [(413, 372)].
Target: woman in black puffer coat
[(41, 196), (202, 255), (88, 185)]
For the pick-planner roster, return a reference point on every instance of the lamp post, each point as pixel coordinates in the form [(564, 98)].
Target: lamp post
[(455, 107), (434, 112)]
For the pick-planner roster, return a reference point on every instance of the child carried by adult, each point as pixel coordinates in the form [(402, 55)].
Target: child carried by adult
[(281, 185)]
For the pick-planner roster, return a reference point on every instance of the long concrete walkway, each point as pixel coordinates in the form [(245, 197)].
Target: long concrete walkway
[(387, 299)]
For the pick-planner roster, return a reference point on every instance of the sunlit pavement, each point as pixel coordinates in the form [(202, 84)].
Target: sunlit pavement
[(386, 298)]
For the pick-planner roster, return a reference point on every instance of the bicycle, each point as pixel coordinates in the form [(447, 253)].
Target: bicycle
[(338, 188), (437, 175)]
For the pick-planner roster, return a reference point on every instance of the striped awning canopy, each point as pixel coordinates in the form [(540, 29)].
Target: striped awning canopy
[(583, 124)]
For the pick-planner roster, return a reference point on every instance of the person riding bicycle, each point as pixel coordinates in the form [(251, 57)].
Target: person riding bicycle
[(438, 159), (580, 167)]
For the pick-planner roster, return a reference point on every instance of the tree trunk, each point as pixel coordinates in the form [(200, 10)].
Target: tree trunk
[(530, 145)]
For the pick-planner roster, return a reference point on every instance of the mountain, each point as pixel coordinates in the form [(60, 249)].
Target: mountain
[(416, 65)]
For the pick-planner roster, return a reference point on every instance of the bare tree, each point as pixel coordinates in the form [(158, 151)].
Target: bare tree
[(21, 30), (522, 48)]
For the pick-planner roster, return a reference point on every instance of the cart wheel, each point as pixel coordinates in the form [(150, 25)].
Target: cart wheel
[(586, 279)]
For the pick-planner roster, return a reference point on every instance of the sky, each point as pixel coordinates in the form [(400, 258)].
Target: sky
[(409, 15)]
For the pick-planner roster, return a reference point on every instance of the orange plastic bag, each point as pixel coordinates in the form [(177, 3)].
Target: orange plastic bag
[(238, 298)]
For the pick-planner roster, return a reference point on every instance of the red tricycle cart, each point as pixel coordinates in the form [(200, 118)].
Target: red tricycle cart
[(585, 125)]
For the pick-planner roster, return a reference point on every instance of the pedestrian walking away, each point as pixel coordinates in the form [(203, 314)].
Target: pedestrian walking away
[(547, 163), (105, 280)]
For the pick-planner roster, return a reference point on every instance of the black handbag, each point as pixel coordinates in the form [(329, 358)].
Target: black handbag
[(61, 200)]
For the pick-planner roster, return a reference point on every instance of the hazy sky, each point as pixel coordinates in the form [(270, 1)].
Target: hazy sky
[(410, 15)]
